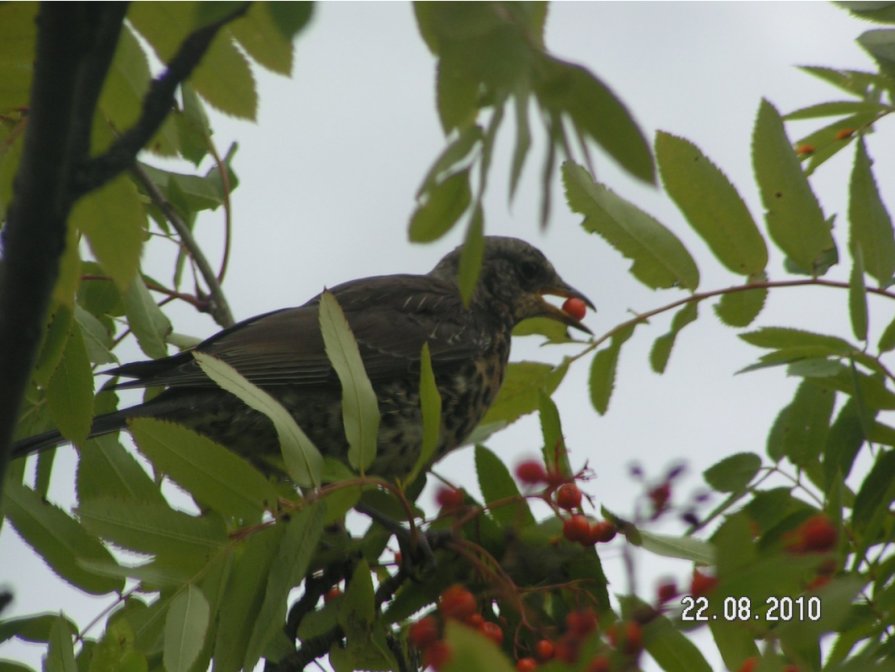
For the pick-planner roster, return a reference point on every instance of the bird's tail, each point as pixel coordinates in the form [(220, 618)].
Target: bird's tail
[(102, 424)]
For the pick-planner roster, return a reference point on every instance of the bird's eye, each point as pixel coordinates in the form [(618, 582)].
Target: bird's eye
[(529, 270)]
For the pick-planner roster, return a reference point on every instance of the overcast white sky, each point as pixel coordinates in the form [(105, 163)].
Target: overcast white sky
[(329, 172)]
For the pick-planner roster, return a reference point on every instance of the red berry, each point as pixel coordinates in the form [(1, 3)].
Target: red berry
[(749, 664), (545, 649), (331, 594), (659, 496), (575, 308), (599, 664), (457, 602), (475, 620), (437, 654), (492, 631), (817, 582), (818, 533), (581, 623), (531, 472), (423, 633), (702, 584), (526, 665), (575, 528), (567, 648), (666, 591), (568, 496), (601, 532), (449, 498), (627, 637)]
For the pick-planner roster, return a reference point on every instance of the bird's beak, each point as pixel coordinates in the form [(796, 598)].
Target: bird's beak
[(560, 288)]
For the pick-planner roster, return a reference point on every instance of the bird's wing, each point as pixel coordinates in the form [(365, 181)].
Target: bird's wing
[(391, 317)]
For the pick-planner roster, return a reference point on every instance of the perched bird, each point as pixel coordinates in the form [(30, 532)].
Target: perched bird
[(391, 317)]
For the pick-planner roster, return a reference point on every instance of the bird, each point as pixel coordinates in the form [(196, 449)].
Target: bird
[(391, 317)]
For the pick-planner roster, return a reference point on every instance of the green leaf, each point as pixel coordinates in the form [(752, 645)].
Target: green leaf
[(876, 493), (794, 218), (685, 548), (556, 457), (836, 599), (18, 30), (472, 255), (149, 324), (215, 476), (855, 82), (58, 539), (244, 594), (456, 153), (97, 340), (70, 390), (827, 141), (711, 204), (520, 390), (834, 108), (430, 408), (106, 469), (871, 226), (887, 338), (660, 259), (784, 337), (800, 431), (116, 651), (190, 193), (565, 88), (843, 443), (257, 32), (735, 643), (733, 473), (152, 527), (223, 76), (443, 206), (602, 371), (360, 407), (857, 297), (496, 484), (36, 628), (739, 309), (60, 652), (523, 140), (290, 17), (662, 347), (186, 627), (287, 570), (880, 43), (112, 218), (671, 648), (471, 650), (302, 458), (553, 331)]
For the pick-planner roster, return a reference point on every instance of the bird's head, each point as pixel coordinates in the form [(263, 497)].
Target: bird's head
[(514, 280)]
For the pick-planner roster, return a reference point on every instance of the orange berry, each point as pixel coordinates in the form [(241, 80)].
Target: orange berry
[(601, 532), (423, 633), (576, 528), (702, 584), (437, 654), (492, 631), (526, 665), (818, 533), (331, 594), (568, 496), (581, 623), (627, 637), (531, 472), (575, 308), (449, 498), (749, 664), (545, 649), (457, 602), (475, 620), (599, 664)]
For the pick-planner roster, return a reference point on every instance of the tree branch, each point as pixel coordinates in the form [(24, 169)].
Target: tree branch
[(156, 105), (73, 41), (218, 307)]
